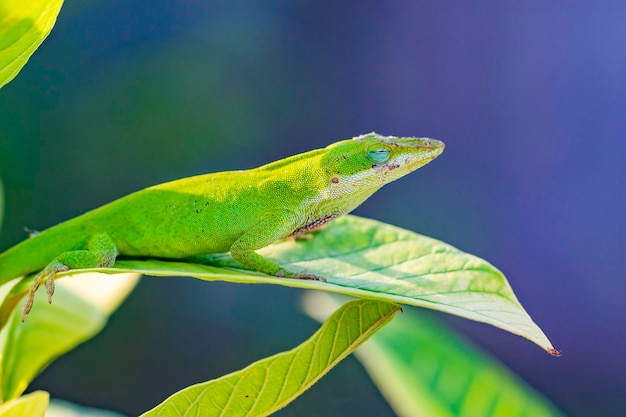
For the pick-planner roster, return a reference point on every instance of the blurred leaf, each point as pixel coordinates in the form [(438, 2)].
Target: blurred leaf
[(80, 310), (31, 405), (23, 27), (65, 409), (424, 369), (271, 383)]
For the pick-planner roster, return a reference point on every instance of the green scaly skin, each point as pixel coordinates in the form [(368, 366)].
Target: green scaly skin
[(235, 211)]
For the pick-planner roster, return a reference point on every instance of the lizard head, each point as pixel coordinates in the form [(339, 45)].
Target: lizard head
[(368, 162)]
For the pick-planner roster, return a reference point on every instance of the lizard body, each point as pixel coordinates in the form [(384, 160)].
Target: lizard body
[(234, 211)]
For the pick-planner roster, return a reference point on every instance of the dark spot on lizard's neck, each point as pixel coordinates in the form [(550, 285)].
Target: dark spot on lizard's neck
[(315, 224)]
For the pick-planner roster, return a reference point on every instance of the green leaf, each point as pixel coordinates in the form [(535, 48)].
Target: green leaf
[(424, 369), (31, 405), (80, 310), (271, 383), (59, 408), (23, 27), (365, 258)]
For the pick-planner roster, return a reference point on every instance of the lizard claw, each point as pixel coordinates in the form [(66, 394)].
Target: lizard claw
[(302, 275), (50, 281), (312, 277), (30, 299), (46, 275), (50, 288)]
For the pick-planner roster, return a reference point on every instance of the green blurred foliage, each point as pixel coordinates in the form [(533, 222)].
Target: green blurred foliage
[(31, 405), (23, 27), (82, 133)]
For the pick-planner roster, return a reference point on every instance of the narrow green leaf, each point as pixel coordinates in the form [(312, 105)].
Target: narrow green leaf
[(23, 27), (365, 258), (271, 383), (424, 369), (31, 405), (80, 310)]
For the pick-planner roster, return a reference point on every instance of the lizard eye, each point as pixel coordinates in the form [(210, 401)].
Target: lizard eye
[(378, 153)]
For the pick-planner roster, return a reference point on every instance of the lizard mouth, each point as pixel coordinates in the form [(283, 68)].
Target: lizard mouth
[(385, 167), (432, 144)]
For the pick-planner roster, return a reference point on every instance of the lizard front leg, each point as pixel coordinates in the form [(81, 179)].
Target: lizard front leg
[(100, 252), (274, 226)]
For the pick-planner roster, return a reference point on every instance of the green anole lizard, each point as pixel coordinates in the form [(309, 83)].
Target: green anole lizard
[(233, 211)]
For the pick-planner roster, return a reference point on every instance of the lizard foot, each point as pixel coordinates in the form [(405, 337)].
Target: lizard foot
[(311, 277), (47, 276), (302, 275)]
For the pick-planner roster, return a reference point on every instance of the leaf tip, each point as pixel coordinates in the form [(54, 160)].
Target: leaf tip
[(552, 351)]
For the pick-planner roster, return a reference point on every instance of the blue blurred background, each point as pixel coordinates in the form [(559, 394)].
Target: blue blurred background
[(530, 98)]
